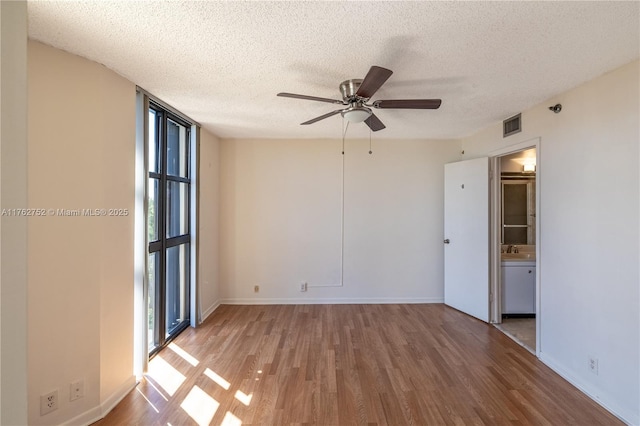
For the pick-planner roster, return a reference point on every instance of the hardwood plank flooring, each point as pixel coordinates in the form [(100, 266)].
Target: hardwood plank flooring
[(522, 330), (350, 365)]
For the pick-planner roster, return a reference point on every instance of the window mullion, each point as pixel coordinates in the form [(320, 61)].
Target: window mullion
[(163, 233)]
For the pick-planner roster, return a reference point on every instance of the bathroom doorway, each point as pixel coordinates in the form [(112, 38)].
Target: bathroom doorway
[(515, 205)]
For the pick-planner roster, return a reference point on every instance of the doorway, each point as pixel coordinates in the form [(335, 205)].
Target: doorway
[(515, 286), (473, 236)]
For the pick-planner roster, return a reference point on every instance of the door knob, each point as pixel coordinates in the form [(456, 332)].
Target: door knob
[(446, 241)]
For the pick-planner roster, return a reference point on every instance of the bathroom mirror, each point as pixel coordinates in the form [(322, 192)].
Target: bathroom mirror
[(518, 208)]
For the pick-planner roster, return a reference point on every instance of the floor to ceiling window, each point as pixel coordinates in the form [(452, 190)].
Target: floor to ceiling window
[(168, 215)]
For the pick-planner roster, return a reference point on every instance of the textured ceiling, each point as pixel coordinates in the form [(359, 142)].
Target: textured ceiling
[(222, 63)]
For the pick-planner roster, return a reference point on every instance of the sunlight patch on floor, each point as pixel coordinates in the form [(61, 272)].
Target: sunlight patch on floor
[(216, 378), (243, 397), (184, 354), (147, 399), (165, 375), (230, 420), (200, 406), (150, 383)]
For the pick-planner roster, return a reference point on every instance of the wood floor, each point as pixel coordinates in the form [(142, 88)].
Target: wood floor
[(522, 330), (350, 365)]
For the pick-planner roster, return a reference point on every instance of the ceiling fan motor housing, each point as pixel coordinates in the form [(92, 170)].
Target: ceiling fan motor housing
[(349, 88), (356, 112)]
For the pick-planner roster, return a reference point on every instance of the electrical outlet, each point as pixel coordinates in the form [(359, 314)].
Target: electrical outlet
[(256, 288), (48, 402), (303, 286), (593, 365), (76, 390)]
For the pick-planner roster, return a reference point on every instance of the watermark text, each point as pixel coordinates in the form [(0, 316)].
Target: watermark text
[(60, 212)]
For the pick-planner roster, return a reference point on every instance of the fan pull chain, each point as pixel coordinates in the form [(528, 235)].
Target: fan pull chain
[(344, 133), (370, 152)]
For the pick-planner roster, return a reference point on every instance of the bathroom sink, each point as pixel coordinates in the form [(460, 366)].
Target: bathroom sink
[(518, 256)]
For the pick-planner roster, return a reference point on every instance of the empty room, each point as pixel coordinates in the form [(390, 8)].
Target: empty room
[(319, 213)]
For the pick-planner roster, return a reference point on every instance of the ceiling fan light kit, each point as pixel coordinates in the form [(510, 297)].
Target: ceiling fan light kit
[(356, 114), (356, 94)]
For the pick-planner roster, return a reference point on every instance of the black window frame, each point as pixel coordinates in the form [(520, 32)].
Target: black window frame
[(163, 242)]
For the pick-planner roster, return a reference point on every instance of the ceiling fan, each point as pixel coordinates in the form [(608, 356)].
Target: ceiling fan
[(356, 95)]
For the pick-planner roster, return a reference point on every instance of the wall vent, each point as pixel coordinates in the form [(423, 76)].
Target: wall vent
[(511, 125)]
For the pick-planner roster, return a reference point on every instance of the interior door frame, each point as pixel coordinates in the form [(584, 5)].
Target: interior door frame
[(495, 293)]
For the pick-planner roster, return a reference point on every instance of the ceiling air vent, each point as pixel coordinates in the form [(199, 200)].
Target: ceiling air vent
[(511, 125)]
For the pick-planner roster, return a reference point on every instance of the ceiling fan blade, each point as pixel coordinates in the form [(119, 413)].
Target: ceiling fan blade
[(374, 123), (374, 79), (409, 103), (309, 98), (322, 117)]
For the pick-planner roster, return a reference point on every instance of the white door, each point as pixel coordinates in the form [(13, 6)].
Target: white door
[(466, 233)]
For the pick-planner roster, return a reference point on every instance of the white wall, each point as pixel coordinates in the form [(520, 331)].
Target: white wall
[(116, 190), (208, 217), (280, 220), (589, 222), (80, 285), (13, 194)]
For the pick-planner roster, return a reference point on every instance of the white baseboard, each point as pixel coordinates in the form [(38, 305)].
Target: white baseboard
[(209, 311), (123, 390), (99, 412), (624, 415), (86, 418), (329, 301)]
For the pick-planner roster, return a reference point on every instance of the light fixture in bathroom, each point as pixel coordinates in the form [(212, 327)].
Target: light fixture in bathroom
[(529, 168)]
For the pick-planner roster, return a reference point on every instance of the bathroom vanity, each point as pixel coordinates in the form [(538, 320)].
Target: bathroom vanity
[(518, 283)]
